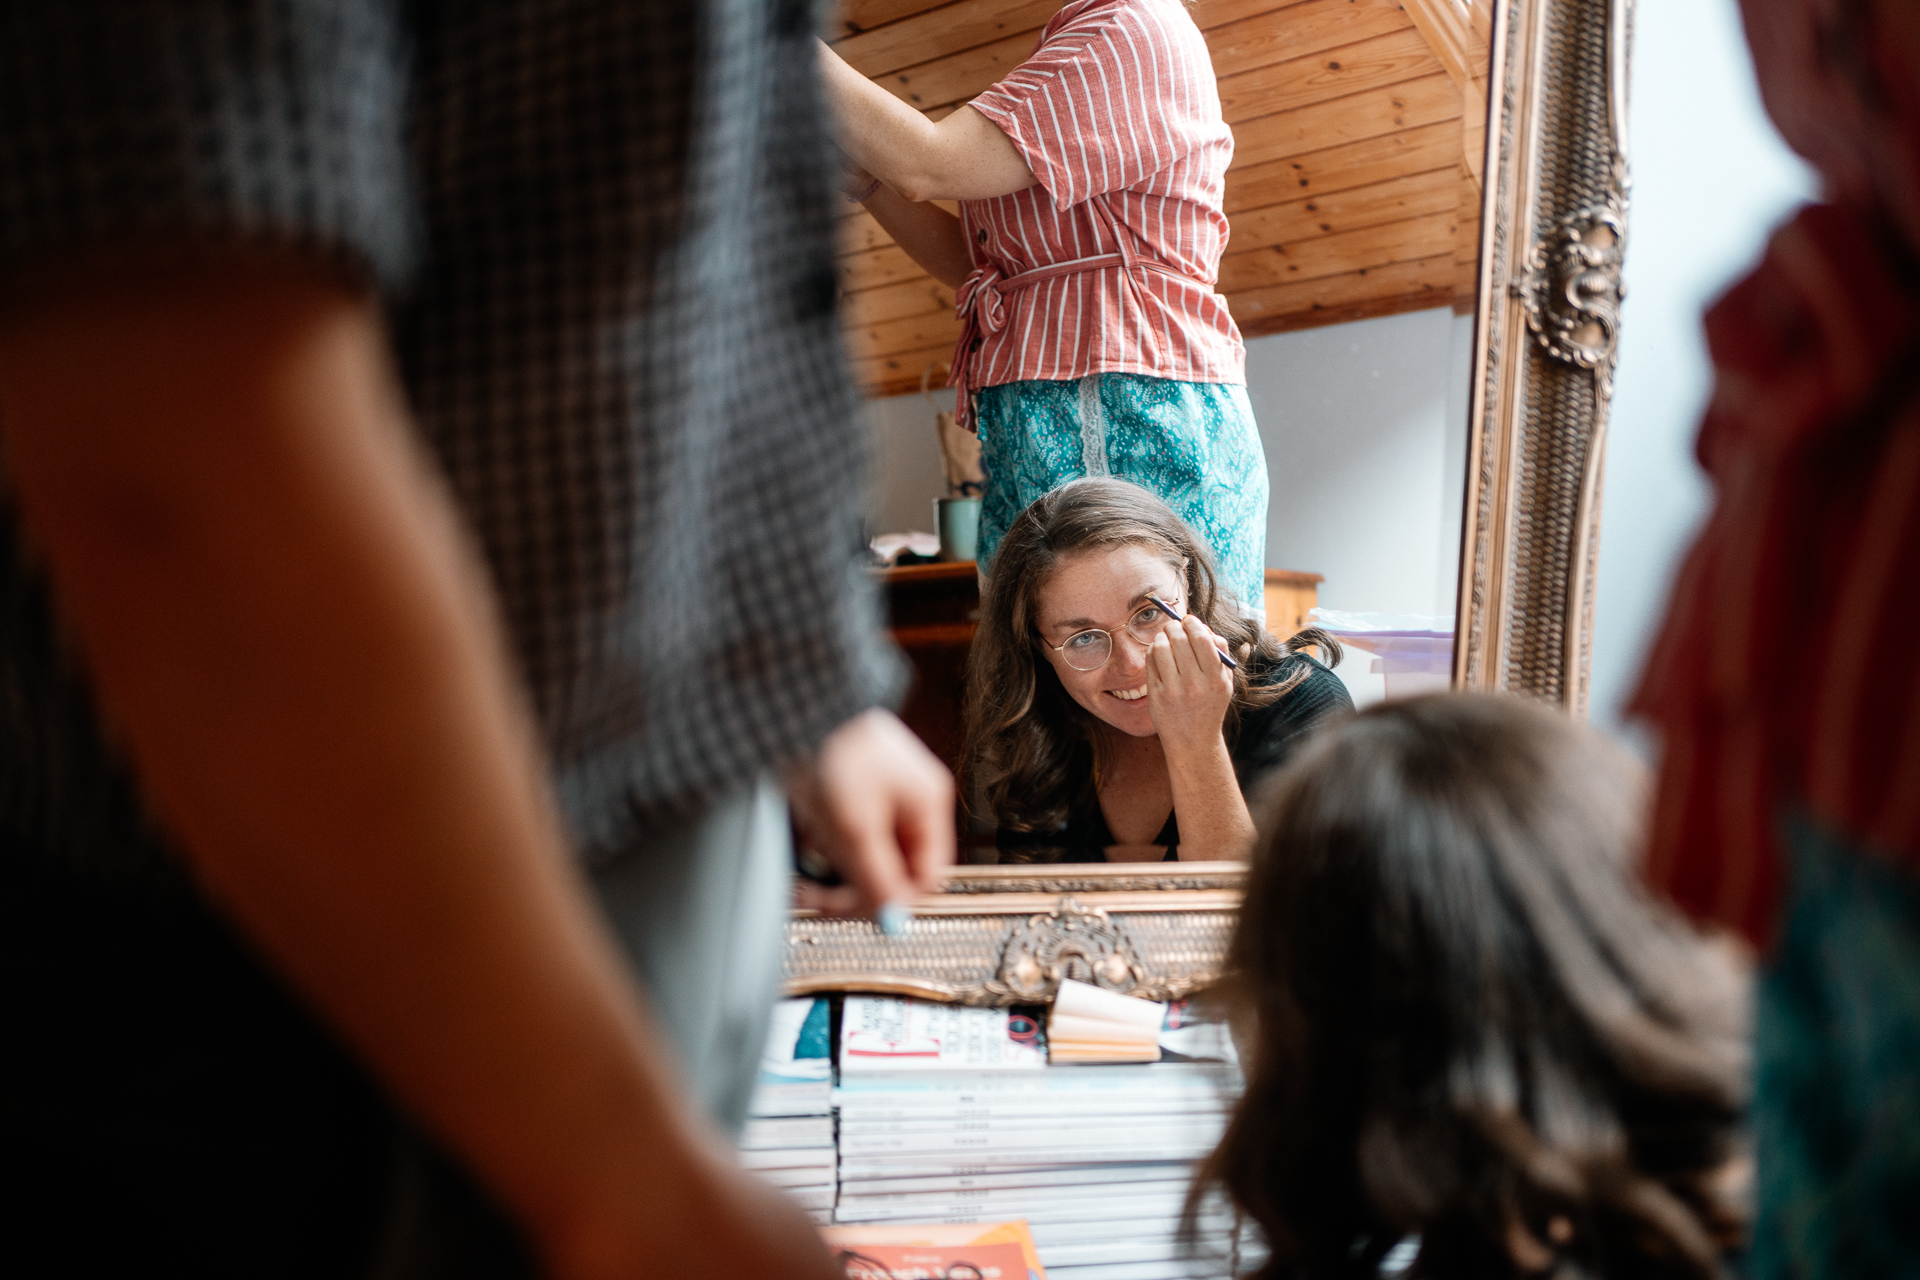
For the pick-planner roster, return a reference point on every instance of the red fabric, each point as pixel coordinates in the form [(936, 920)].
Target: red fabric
[(1788, 669), (1118, 116)]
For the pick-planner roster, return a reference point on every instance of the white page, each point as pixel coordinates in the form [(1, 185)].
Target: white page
[(1107, 1210), (999, 1199), (890, 1033), (1088, 1175)]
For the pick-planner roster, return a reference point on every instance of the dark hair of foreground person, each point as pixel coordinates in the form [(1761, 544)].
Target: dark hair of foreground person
[(1467, 1020)]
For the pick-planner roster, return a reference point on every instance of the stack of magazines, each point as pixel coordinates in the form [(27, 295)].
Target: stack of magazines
[(788, 1138), (954, 1115)]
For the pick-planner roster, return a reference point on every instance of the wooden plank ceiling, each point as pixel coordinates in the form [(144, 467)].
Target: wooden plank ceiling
[(1353, 191)]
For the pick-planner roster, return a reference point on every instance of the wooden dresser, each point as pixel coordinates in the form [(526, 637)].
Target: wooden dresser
[(932, 612), (1290, 593)]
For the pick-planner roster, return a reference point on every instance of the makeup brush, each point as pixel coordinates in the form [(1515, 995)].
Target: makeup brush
[(1167, 609)]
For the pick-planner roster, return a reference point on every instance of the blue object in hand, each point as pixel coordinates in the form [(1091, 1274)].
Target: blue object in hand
[(893, 919)]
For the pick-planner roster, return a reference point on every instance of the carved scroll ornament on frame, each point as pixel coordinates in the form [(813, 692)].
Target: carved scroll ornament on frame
[(1016, 950), (1068, 942), (1571, 289)]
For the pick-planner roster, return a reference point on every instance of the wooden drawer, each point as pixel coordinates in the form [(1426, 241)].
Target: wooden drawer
[(1290, 593)]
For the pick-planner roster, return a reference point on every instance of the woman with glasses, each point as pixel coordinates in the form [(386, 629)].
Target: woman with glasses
[(1093, 718)]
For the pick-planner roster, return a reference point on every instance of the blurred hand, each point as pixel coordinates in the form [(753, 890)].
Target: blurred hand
[(1188, 687), (879, 806)]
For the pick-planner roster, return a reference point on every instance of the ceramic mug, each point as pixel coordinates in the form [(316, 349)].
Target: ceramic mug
[(957, 520)]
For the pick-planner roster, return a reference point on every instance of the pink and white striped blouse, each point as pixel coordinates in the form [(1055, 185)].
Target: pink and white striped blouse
[(1108, 264)]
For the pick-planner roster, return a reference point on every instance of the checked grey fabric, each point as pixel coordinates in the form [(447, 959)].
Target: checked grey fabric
[(604, 230), (601, 228)]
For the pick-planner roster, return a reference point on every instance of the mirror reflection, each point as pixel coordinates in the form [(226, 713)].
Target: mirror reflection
[(1036, 854), (1221, 258)]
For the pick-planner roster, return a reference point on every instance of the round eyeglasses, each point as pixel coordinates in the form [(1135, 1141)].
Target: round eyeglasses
[(1090, 650)]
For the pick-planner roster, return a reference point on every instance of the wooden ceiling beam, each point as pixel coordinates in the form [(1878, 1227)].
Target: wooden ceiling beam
[(1449, 27), (875, 268), (1408, 286), (1337, 73), (1368, 248), (1376, 204), (920, 297), (1466, 242), (1341, 168), (1307, 29), (1365, 308), (1209, 14), (960, 77), (855, 16), (896, 375), (1460, 34), (1375, 113), (911, 333), (942, 32)]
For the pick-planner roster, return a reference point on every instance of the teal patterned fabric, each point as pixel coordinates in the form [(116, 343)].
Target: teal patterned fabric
[(1192, 443), (1837, 1071)]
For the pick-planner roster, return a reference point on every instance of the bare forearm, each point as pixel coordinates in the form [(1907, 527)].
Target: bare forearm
[(1213, 817), (290, 635), (963, 157), (931, 236)]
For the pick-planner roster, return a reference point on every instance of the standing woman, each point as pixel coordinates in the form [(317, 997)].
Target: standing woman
[(1089, 237)]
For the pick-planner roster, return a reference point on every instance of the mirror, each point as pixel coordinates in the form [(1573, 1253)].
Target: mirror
[(1429, 323), (1497, 314)]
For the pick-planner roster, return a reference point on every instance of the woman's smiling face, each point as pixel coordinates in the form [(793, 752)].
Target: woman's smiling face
[(1104, 588)]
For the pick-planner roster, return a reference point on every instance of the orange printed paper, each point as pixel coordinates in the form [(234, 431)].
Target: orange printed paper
[(955, 1243), (934, 1262)]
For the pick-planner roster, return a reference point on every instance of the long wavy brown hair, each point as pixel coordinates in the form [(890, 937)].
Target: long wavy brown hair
[(1466, 1019), (1031, 750)]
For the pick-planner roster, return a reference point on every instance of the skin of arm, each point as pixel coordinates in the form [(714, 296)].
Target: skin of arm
[(931, 236), (963, 157), (1188, 691), (287, 629)]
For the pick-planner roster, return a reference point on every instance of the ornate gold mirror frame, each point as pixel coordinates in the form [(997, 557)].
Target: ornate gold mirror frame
[(1552, 232)]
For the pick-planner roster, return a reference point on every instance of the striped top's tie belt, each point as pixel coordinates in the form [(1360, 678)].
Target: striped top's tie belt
[(982, 304)]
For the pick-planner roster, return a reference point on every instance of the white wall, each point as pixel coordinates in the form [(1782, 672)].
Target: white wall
[(904, 458), (1710, 178), (1365, 430)]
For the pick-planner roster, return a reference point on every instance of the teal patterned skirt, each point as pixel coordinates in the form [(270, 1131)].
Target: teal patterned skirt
[(1192, 443)]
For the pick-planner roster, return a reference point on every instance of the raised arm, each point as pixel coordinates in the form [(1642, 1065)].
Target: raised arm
[(963, 157), (1189, 691), (931, 236), (293, 641)]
